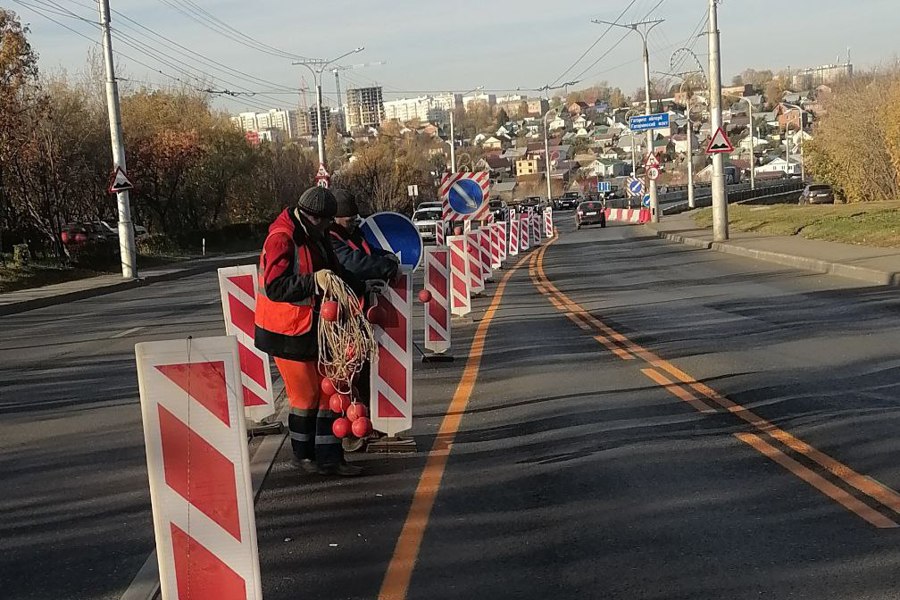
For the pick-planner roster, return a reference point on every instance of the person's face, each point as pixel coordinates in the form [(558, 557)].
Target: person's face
[(348, 223), (320, 223)]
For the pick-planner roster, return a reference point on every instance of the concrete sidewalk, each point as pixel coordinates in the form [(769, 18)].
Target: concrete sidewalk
[(880, 266), (30, 299)]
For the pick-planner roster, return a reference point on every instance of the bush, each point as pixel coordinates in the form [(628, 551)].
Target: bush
[(21, 255), (158, 244), (96, 256)]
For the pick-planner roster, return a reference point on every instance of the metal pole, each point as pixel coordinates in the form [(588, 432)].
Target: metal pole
[(452, 143), (127, 249), (752, 149), (321, 125), (547, 157), (654, 199), (337, 88), (692, 202), (719, 195)]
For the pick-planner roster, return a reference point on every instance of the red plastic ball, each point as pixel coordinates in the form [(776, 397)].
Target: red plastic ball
[(327, 387), (340, 428), (350, 354), (357, 410), (424, 296), (329, 310), (361, 427), (339, 402), (375, 315)]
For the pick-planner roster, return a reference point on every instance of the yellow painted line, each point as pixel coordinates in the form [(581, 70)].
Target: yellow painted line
[(399, 572), (871, 487), (817, 481), (678, 391)]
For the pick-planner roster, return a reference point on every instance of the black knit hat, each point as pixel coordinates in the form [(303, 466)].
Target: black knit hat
[(318, 202), (346, 203)]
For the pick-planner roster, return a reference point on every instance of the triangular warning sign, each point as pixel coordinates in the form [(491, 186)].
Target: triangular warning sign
[(719, 144), (323, 172), (651, 161), (119, 182)]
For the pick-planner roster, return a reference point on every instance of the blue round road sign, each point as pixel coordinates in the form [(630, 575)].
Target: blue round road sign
[(465, 196), (646, 201), (636, 186), (395, 233)]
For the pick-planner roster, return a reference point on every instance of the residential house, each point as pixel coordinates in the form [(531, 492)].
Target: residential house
[(527, 166), (605, 168), (582, 133), (578, 108), (780, 165), (556, 124), (499, 168), (492, 143), (580, 122), (681, 142), (754, 142), (629, 143), (514, 154), (664, 149), (504, 191), (790, 117)]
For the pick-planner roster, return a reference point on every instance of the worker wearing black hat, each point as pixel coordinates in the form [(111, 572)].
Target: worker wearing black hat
[(293, 267)]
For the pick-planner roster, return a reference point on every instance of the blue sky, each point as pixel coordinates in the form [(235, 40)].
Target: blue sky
[(498, 44)]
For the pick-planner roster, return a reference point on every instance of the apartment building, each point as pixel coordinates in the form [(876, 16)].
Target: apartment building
[(365, 107)]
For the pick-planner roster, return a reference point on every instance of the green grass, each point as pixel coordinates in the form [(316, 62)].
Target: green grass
[(870, 224)]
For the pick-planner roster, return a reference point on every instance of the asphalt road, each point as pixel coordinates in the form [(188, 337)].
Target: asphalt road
[(573, 473)]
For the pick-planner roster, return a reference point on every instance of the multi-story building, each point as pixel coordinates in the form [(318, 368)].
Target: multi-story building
[(314, 120), (408, 109), (365, 107), (285, 121), (489, 99), (816, 76)]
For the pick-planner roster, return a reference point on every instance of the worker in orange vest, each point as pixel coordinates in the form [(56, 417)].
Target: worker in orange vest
[(296, 258)]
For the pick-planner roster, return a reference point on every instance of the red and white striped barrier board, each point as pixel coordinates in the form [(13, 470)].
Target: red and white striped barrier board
[(460, 281), (484, 240), (524, 233), (548, 222), (628, 215), (537, 227), (473, 248), (238, 288), (496, 261), (437, 310), (391, 375), (199, 469), (515, 237), (440, 229), (502, 235), (482, 178)]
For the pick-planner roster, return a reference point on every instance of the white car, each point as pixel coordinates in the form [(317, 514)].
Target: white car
[(426, 221)]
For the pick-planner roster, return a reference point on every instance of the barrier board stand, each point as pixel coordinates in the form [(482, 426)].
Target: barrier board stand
[(548, 222), (437, 305), (199, 468), (496, 261), (484, 242), (460, 280), (524, 233), (391, 373), (237, 286)]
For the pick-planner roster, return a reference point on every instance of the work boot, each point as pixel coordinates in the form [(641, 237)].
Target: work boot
[(305, 464), (343, 469)]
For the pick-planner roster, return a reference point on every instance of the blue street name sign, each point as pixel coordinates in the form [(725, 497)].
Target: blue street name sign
[(603, 186), (645, 122), (397, 234)]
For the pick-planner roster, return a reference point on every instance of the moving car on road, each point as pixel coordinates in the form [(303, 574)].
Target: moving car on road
[(426, 220), (817, 193), (591, 212), (569, 200)]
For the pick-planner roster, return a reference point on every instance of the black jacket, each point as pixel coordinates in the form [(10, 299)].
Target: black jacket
[(362, 265)]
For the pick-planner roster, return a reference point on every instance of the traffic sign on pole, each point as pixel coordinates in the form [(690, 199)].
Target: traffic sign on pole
[(719, 144), (323, 179), (653, 173), (395, 233), (603, 186), (635, 187), (119, 182), (651, 161), (645, 202), (645, 122), (465, 196)]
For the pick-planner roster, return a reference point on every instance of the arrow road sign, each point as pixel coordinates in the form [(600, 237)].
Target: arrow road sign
[(645, 122), (119, 182), (645, 202), (719, 144), (395, 233), (635, 187), (465, 196)]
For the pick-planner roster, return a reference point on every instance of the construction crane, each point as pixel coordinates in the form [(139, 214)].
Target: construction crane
[(337, 83)]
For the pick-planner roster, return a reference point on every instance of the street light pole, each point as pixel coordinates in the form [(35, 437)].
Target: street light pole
[(317, 68), (752, 146), (452, 143), (800, 112), (719, 195), (547, 154)]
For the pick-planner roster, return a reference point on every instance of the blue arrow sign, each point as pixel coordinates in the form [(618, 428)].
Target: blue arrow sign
[(636, 187), (645, 122), (395, 233), (465, 196), (646, 201), (603, 186)]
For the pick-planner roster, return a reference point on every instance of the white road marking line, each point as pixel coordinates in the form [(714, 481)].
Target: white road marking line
[(127, 332)]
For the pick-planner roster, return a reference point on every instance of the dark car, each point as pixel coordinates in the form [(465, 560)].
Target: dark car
[(591, 212), (535, 203), (82, 233), (817, 193), (499, 209), (569, 200)]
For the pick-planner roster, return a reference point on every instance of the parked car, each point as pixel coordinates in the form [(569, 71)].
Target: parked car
[(817, 193), (591, 212), (140, 232), (569, 200), (536, 203), (82, 233), (426, 221), (430, 204), (499, 209)]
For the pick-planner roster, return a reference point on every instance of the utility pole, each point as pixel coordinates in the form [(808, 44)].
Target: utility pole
[(719, 195), (547, 154), (752, 145), (127, 250), (452, 143), (643, 28)]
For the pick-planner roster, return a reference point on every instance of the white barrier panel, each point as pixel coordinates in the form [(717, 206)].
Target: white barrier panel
[(515, 239), (437, 309), (624, 215), (484, 241), (473, 247), (537, 226), (198, 466), (439, 231), (496, 261), (548, 222), (237, 286), (502, 241), (391, 374), (460, 280), (524, 233)]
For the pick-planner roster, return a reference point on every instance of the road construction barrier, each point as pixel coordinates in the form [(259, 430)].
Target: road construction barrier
[(473, 249), (548, 222), (439, 231), (503, 237), (524, 233), (537, 227), (391, 372), (515, 230), (628, 215), (484, 241), (460, 280), (496, 261), (237, 286), (198, 465), (437, 305)]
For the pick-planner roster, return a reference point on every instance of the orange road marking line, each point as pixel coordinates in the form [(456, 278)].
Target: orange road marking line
[(678, 391), (871, 487), (395, 585), (817, 481)]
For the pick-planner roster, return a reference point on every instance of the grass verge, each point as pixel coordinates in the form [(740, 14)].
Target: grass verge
[(872, 224)]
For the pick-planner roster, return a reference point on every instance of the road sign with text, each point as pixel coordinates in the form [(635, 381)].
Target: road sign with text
[(645, 122)]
